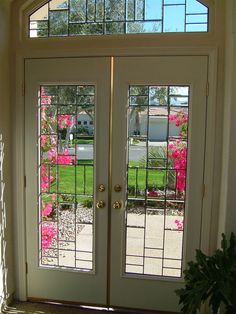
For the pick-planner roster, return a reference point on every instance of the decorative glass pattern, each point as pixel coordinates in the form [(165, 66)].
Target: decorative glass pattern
[(100, 17), (66, 174), (156, 179)]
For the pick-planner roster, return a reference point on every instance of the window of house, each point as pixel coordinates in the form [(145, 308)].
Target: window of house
[(104, 17), (85, 122)]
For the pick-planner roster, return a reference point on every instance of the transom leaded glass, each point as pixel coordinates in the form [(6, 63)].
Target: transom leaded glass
[(103, 17)]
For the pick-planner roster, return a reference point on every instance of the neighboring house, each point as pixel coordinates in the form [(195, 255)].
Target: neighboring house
[(85, 123), (158, 124)]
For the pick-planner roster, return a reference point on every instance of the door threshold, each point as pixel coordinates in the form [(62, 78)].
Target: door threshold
[(97, 307)]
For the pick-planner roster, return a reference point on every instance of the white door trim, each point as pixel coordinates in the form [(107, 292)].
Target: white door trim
[(210, 214)]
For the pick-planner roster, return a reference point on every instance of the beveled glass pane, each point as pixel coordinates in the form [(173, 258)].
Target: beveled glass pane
[(179, 90), (58, 5), (66, 145), (39, 25), (140, 9), (114, 28), (91, 10), (194, 6), (100, 10), (173, 2), (67, 95), (136, 214), (115, 10), (200, 18), (130, 9), (58, 23), (153, 9), (196, 27), (158, 95), (178, 101), (77, 12), (153, 266), (135, 241), (174, 18), (40, 14)]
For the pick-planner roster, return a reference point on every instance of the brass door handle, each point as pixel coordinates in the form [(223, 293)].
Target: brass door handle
[(101, 188), (100, 204), (117, 205)]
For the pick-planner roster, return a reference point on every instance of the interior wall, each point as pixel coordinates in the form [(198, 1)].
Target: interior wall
[(227, 221), (6, 238)]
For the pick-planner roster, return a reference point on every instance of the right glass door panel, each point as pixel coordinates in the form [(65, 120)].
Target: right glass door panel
[(156, 177), (158, 159)]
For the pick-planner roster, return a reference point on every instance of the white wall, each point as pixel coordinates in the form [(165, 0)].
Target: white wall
[(6, 241), (227, 222)]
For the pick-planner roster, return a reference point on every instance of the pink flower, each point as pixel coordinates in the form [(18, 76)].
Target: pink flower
[(152, 193), (47, 210), (179, 224), (46, 178), (48, 234), (52, 153), (45, 99), (65, 120), (43, 140), (65, 159)]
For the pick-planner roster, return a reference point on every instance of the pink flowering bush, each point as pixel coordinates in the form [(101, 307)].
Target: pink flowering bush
[(65, 121), (179, 224), (52, 153), (46, 178), (178, 153), (177, 150), (181, 120), (48, 205), (48, 234)]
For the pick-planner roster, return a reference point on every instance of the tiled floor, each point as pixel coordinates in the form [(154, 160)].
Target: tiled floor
[(41, 308)]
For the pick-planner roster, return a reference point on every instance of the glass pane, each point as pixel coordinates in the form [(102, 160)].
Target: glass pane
[(101, 17), (40, 14), (58, 23), (77, 11), (194, 6), (156, 179), (58, 4), (66, 170), (174, 18), (153, 10)]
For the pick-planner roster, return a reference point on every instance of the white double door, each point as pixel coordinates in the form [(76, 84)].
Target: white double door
[(93, 121)]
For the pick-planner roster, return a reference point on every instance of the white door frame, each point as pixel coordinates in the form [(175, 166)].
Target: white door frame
[(209, 215)]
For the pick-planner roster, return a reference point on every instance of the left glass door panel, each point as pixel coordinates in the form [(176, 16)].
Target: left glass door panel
[(66, 248), (66, 116)]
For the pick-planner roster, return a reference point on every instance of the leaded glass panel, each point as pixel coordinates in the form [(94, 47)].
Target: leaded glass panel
[(66, 176), (103, 17), (156, 179)]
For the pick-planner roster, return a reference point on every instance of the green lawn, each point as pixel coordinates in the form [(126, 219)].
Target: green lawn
[(79, 179)]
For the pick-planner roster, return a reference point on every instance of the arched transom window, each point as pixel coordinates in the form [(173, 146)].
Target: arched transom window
[(104, 17)]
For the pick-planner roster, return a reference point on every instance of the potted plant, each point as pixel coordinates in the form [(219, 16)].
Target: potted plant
[(211, 279)]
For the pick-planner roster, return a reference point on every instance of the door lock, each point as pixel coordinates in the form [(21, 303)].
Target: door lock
[(100, 204), (117, 205)]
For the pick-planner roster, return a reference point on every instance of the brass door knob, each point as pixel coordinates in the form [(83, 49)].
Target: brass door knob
[(100, 204), (117, 205), (117, 188), (101, 188)]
